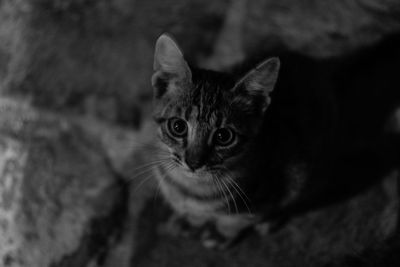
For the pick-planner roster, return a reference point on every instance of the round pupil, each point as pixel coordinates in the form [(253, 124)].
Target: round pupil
[(179, 127), (224, 136)]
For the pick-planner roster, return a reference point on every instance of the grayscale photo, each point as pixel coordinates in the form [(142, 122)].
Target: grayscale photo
[(199, 133)]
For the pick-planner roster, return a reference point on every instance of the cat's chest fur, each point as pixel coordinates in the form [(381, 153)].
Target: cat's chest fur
[(187, 196), (182, 196), (199, 202)]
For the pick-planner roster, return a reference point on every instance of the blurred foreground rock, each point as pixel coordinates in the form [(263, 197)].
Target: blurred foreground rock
[(61, 204), (323, 237)]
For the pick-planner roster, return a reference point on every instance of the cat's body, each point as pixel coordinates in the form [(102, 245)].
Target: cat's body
[(335, 121), (198, 197), (328, 133), (329, 130)]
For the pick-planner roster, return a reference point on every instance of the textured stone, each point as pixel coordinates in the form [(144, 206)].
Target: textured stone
[(314, 239), (95, 57), (318, 28), (60, 202)]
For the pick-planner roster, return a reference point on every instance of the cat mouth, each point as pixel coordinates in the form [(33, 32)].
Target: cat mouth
[(204, 172), (216, 168), (194, 171), (200, 171)]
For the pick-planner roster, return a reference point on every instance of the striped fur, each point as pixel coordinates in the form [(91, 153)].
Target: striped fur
[(207, 101)]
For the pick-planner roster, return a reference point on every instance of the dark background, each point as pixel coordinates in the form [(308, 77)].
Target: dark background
[(75, 100)]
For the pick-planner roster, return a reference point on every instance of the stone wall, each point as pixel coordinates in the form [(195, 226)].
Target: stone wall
[(61, 203)]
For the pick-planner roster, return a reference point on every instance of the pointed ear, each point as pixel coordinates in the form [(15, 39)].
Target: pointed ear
[(261, 80), (169, 65)]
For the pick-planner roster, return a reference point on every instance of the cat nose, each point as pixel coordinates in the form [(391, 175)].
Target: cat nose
[(193, 164), (196, 155)]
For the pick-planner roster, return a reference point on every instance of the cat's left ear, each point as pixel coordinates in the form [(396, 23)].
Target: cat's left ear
[(169, 66), (261, 80)]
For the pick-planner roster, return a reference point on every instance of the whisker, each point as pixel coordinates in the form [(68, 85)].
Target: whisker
[(147, 178), (230, 193), (224, 193), (235, 187), (157, 191), (215, 185), (149, 164), (233, 198), (168, 167), (217, 194), (149, 168), (238, 189)]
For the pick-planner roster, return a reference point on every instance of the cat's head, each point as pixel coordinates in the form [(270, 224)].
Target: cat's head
[(206, 118)]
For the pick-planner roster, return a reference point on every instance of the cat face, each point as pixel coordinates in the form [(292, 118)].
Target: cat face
[(206, 118)]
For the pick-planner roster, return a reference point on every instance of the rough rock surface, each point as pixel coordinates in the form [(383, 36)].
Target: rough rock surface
[(60, 202), (315, 239), (319, 28)]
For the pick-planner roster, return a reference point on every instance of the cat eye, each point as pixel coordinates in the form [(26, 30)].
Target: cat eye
[(224, 137), (177, 127)]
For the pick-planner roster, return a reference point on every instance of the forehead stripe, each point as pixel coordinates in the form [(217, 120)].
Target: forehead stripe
[(165, 110), (219, 119), (188, 111)]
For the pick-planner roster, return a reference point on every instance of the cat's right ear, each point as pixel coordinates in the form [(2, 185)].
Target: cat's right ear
[(170, 68), (260, 81)]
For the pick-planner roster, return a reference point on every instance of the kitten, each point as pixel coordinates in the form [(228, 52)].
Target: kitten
[(232, 158)]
